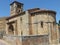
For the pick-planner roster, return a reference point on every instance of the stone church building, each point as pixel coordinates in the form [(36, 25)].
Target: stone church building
[(32, 27)]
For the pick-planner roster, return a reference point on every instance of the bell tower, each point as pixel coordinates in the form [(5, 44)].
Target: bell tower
[(16, 8)]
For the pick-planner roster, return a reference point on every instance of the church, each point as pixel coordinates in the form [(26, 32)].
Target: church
[(32, 27)]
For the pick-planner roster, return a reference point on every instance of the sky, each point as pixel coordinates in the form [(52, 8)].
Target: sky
[(28, 4)]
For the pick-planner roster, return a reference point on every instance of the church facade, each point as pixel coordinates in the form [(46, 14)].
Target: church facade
[(32, 27)]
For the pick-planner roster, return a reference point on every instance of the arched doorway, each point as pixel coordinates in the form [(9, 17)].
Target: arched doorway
[(11, 29)]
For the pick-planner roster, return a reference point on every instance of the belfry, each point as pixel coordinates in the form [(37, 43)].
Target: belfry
[(16, 8)]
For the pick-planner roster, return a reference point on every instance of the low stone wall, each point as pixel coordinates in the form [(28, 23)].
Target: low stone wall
[(35, 40), (27, 40)]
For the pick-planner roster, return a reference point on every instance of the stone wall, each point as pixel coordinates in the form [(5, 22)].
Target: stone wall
[(2, 25), (35, 40), (46, 18), (27, 40)]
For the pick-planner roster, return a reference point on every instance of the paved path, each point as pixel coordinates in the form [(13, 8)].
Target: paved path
[(2, 42)]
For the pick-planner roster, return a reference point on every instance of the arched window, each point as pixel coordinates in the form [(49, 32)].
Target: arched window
[(42, 24), (53, 24), (11, 28), (21, 19)]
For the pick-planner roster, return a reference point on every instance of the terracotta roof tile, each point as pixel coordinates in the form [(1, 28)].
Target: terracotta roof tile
[(43, 11)]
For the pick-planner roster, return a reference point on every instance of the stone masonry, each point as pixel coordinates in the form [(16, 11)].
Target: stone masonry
[(32, 27)]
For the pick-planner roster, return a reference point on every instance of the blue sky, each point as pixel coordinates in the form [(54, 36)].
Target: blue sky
[(43, 4)]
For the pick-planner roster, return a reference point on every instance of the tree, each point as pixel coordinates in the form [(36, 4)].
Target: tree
[(59, 21)]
